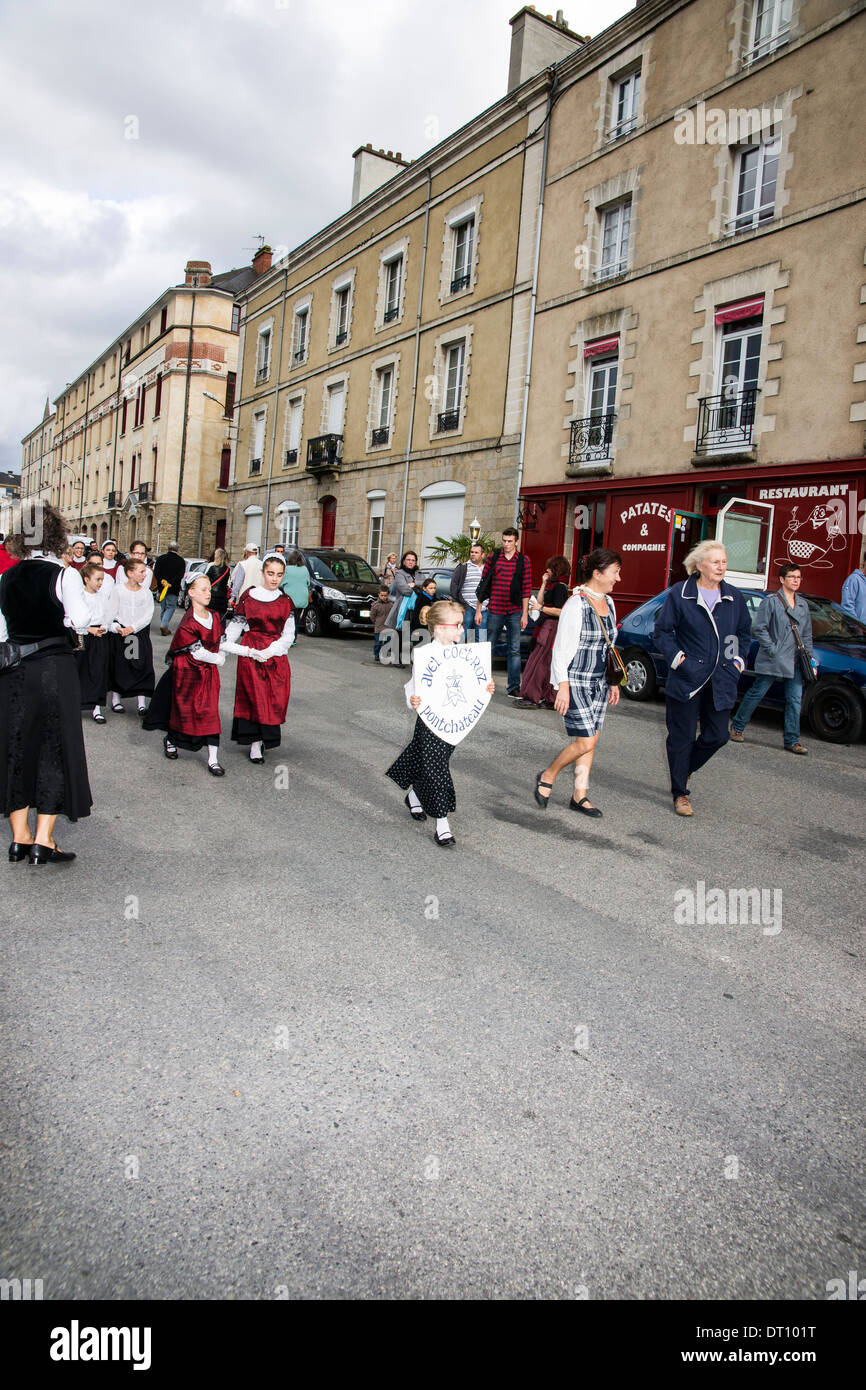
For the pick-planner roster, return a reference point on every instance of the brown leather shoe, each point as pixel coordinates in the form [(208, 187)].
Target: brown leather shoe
[(683, 806), (737, 737), (166, 632), (796, 748)]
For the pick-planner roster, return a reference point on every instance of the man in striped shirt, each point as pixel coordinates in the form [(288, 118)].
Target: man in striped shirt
[(507, 583)]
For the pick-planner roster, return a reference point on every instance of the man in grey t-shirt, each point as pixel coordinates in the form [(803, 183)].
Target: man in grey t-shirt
[(464, 583)]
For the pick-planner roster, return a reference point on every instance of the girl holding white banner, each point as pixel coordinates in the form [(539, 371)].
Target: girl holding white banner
[(450, 689)]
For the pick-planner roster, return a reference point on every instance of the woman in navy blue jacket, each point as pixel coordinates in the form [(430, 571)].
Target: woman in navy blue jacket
[(703, 631)]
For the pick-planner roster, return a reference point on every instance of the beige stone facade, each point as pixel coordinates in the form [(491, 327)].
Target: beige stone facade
[(37, 455), (699, 334), (383, 362), (141, 436)]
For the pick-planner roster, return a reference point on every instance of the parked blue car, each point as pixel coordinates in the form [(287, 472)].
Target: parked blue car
[(835, 705)]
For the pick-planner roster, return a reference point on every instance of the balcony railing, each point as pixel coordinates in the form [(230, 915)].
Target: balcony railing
[(460, 282), (448, 420), (591, 439), (340, 338), (291, 456), (325, 451), (726, 421), (255, 465), (263, 373), (300, 354), (144, 492), (380, 436), (390, 313)]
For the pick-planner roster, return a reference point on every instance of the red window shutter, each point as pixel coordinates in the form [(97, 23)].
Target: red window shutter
[(123, 418), (751, 308), (153, 483), (225, 467), (158, 403), (132, 478), (231, 379), (600, 346), (163, 320), (143, 399)]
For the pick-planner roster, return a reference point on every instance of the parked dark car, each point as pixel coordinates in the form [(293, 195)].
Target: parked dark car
[(835, 705), (342, 587)]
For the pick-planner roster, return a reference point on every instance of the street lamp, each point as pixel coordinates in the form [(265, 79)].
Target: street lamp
[(474, 530)]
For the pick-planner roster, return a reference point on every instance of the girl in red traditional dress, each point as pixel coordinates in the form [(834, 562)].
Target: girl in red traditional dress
[(186, 702), (264, 615)]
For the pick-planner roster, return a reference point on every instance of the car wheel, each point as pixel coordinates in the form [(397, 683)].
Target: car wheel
[(312, 622), (835, 712), (642, 683)]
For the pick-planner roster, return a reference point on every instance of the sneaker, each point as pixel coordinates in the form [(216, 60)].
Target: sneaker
[(513, 694), (796, 748), (683, 806), (737, 736)]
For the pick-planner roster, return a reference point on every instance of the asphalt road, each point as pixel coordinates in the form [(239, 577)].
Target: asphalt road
[(265, 1039)]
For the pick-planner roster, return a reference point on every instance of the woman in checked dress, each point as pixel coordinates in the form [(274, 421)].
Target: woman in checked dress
[(577, 673)]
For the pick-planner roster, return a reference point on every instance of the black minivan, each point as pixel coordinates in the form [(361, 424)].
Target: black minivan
[(342, 587)]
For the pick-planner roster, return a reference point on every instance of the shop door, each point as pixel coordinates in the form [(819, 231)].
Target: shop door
[(329, 521), (687, 530)]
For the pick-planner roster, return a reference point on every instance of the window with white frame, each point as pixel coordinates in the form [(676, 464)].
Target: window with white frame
[(294, 413), (454, 359), (726, 419), (341, 315), (771, 27), (626, 100), (756, 170), (334, 407), (257, 442), (263, 355), (288, 523), (300, 334), (615, 228), (381, 433), (393, 282), (464, 246), (377, 527), (592, 436)]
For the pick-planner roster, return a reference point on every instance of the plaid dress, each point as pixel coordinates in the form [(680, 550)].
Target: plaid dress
[(588, 689)]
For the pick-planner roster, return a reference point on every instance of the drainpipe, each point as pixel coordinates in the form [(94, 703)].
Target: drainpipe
[(276, 407), (534, 296), (417, 357), (185, 419)]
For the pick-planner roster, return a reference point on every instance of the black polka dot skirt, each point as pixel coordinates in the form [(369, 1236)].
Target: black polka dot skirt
[(424, 766)]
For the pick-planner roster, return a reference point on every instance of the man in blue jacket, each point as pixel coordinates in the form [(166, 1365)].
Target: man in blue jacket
[(704, 632), (854, 593)]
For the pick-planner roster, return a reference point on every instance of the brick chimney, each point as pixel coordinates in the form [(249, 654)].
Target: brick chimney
[(263, 259), (537, 41), (197, 274)]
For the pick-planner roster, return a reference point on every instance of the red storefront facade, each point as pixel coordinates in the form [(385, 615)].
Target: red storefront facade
[(815, 515)]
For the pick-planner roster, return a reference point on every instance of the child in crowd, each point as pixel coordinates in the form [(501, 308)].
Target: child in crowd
[(185, 704), (379, 610), (264, 615), (131, 612), (422, 769), (93, 657)]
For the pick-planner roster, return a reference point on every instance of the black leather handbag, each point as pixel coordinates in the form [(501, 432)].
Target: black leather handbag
[(807, 670)]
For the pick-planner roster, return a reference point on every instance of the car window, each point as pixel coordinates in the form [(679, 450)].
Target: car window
[(351, 569), (831, 622), (319, 568), (753, 603)]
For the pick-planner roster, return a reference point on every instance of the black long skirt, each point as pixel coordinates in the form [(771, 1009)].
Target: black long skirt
[(424, 766), (93, 665), (249, 731), (159, 717), (42, 759), (131, 667)]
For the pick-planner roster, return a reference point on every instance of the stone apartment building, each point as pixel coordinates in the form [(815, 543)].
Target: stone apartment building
[(382, 385), (141, 439), (37, 456), (699, 351)]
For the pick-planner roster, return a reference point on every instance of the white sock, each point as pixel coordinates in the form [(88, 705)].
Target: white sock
[(413, 800), (141, 702), (113, 698), (443, 829), (256, 750), (170, 746), (96, 709), (212, 751)]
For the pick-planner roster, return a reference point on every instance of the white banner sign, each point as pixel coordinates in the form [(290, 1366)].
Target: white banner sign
[(452, 682)]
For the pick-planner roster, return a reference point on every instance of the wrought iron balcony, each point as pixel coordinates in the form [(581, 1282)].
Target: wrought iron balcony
[(380, 436), (448, 420), (263, 373), (255, 465), (144, 492), (300, 354), (340, 338), (726, 421), (460, 282), (390, 313), (291, 456), (325, 451), (591, 439)]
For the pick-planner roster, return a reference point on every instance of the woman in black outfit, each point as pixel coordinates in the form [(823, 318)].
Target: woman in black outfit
[(219, 574), (42, 759)]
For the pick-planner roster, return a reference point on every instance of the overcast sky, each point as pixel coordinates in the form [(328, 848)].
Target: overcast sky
[(138, 136)]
